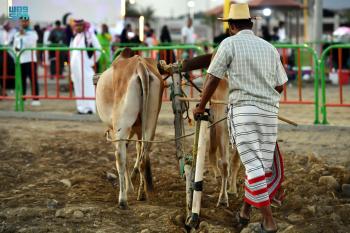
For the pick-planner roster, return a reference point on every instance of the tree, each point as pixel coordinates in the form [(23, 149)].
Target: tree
[(130, 10), (148, 13)]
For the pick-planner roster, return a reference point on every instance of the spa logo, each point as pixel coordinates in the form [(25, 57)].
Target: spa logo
[(16, 12)]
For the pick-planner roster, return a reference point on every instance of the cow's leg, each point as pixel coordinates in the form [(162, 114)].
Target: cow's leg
[(224, 169), (137, 167), (146, 183), (135, 170), (129, 184), (235, 165), (128, 179), (213, 145), (122, 129), (120, 155)]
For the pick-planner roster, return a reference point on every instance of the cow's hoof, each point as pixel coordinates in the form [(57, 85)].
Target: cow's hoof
[(141, 198), (223, 201), (123, 205)]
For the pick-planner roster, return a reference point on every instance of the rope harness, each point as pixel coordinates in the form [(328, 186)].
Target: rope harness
[(109, 139)]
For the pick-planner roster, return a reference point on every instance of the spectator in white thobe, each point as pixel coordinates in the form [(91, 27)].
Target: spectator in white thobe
[(187, 33), (27, 38), (82, 66), (282, 36)]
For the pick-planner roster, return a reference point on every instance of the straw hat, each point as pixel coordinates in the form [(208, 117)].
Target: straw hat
[(238, 11)]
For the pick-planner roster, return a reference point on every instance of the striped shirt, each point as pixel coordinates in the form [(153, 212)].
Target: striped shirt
[(254, 69)]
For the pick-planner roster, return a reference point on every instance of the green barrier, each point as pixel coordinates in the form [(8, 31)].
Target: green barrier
[(202, 45), (123, 45), (19, 95), (286, 46), (323, 79), (159, 48), (103, 45), (51, 45), (316, 81)]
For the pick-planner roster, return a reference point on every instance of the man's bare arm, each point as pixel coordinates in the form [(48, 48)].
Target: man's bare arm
[(209, 89)]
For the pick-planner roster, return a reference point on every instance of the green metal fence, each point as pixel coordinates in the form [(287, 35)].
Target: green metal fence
[(304, 53), (322, 65), (299, 60), (162, 48)]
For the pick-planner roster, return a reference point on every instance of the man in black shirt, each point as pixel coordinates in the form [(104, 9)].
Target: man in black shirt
[(57, 38)]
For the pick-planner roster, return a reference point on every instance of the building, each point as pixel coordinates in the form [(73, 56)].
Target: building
[(298, 18)]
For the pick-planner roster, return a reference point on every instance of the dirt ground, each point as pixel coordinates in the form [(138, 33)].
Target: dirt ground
[(53, 179)]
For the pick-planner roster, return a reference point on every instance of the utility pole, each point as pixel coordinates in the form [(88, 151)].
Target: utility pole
[(318, 24), (226, 10)]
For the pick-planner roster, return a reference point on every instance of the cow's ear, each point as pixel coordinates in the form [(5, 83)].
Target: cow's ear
[(127, 52)]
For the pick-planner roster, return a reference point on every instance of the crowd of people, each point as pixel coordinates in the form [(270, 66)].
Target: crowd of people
[(74, 34), (131, 36), (80, 34), (77, 34)]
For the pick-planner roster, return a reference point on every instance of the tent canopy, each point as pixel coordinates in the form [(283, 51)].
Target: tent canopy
[(336, 4)]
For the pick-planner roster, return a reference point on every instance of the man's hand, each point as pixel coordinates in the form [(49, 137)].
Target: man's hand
[(198, 111), (211, 84), (279, 89)]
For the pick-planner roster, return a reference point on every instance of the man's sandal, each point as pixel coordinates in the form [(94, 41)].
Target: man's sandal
[(263, 230)]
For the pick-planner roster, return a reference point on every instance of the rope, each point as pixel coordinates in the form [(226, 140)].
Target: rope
[(159, 141), (185, 105)]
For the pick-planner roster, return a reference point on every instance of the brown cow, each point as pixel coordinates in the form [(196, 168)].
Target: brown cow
[(219, 139), (128, 99)]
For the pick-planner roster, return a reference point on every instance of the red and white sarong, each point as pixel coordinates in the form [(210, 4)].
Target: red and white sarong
[(254, 132)]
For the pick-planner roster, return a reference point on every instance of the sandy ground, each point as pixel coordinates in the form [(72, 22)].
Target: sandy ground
[(36, 157)]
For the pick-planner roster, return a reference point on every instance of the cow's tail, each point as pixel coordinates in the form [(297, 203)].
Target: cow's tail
[(145, 81)]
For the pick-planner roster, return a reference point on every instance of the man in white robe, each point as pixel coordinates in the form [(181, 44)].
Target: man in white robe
[(82, 67)]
